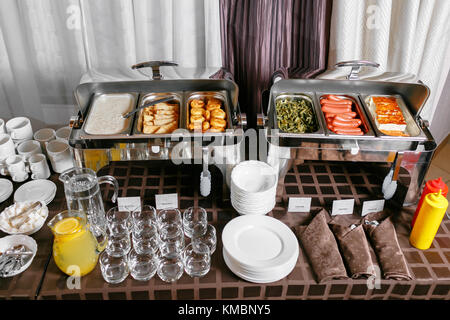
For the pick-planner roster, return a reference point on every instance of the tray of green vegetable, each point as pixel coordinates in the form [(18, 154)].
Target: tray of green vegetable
[(296, 114)]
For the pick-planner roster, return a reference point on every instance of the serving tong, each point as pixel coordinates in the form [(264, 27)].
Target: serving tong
[(13, 259)]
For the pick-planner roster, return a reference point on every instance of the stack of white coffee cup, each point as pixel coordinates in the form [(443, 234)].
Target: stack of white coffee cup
[(20, 155)]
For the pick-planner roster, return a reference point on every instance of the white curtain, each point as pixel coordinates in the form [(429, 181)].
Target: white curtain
[(410, 39), (47, 47)]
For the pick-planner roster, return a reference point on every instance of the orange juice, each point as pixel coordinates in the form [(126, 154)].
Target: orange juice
[(74, 246)]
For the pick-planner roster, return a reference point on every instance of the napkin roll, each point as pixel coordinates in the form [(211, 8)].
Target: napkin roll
[(355, 249), (382, 235), (321, 248)]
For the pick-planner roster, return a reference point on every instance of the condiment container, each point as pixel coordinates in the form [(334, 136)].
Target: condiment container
[(428, 220), (432, 186)]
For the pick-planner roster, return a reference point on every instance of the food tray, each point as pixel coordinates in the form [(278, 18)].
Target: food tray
[(310, 97), (220, 95), (356, 107), (97, 97), (148, 97), (411, 126)]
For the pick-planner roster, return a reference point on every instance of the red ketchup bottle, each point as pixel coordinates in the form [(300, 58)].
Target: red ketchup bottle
[(432, 186)]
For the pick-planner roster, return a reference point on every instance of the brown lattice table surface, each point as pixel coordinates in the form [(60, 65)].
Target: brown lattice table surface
[(323, 181)]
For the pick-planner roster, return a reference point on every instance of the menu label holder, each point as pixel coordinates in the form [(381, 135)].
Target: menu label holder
[(341, 207), (299, 204), (372, 206), (166, 201), (129, 203)]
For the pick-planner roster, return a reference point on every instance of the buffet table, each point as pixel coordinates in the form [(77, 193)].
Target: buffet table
[(322, 181)]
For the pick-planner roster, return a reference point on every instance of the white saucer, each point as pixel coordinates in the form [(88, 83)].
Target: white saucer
[(6, 189), (36, 190)]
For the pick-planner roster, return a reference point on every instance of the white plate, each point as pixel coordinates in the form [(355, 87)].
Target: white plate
[(11, 241), (36, 190), (6, 189), (259, 241), (269, 277)]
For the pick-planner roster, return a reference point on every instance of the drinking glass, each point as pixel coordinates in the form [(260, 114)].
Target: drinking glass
[(118, 244), (194, 217), (145, 239), (144, 217), (142, 266), (119, 221), (209, 237), (170, 268), (169, 217), (114, 269), (171, 240), (197, 259)]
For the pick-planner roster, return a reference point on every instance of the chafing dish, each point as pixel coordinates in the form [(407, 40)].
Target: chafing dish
[(181, 146), (413, 152)]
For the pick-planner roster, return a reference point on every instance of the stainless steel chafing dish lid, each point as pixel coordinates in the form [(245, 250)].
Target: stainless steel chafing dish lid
[(414, 94)]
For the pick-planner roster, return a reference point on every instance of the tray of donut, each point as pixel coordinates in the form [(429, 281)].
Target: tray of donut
[(208, 112)]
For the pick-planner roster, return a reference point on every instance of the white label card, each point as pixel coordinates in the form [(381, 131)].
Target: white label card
[(372, 206), (166, 201), (343, 207), (129, 203), (299, 205)]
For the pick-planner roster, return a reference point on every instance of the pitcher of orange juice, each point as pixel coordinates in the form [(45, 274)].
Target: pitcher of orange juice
[(75, 249)]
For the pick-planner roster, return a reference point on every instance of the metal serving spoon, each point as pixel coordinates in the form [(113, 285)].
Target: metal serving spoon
[(127, 115)]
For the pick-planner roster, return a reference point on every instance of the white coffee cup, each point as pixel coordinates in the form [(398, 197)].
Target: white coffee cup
[(39, 166), (19, 128), (43, 136), (60, 155), (16, 168), (2, 126), (7, 147), (63, 134), (27, 148)]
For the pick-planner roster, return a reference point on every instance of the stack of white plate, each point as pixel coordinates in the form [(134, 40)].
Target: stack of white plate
[(36, 190), (259, 249), (253, 187), (6, 189)]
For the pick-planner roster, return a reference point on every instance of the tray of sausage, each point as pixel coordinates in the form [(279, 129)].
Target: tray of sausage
[(344, 115)]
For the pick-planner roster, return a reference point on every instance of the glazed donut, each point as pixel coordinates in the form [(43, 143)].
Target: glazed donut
[(205, 126), (218, 113), (207, 115), (214, 101), (218, 123), (211, 107), (197, 119), (196, 126), (215, 129), (197, 103), (197, 111)]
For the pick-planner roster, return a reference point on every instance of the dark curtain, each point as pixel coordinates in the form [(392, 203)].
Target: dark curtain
[(263, 38)]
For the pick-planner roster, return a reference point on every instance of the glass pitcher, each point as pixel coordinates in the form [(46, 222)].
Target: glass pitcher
[(75, 249), (82, 189)]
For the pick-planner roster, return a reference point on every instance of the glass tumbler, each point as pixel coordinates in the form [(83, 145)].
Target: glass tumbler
[(171, 240), (194, 217), (170, 267), (209, 237), (145, 239), (118, 244), (114, 269), (142, 266), (144, 217), (197, 259), (169, 217), (119, 221)]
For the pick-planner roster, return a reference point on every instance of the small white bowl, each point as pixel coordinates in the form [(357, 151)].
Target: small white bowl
[(254, 177), (15, 240), (27, 232)]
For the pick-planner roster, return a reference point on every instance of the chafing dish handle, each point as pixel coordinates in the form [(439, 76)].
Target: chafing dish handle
[(156, 74), (356, 67)]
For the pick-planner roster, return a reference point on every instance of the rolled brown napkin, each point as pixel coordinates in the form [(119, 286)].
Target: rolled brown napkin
[(355, 249), (382, 235), (321, 248)]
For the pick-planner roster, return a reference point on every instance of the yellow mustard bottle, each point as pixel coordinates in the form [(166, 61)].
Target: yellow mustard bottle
[(428, 220)]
